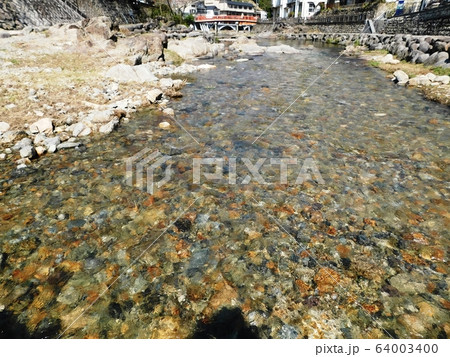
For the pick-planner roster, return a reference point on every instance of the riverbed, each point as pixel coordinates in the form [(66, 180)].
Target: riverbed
[(357, 248)]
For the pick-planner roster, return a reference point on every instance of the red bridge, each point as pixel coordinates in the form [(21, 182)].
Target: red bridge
[(243, 20)]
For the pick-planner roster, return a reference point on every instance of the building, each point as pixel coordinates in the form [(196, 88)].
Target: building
[(297, 8), (223, 7)]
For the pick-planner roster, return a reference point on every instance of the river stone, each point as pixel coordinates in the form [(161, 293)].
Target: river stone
[(424, 46), (4, 127), (389, 59), (39, 139), (28, 151), (164, 125), (8, 136), (22, 143), (166, 83), (67, 145), (40, 150), (191, 47), (405, 284), (282, 49), (2, 157), (100, 116), (442, 79), (44, 125), (401, 77), (169, 112), (80, 129), (126, 73), (421, 58), (419, 81), (154, 95), (52, 142), (108, 128), (442, 58)]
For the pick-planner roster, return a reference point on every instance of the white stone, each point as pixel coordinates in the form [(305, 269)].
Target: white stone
[(27, 151), (442, 79), (2, 157), (282, 49), (169, 112), (401, 77), (4, 127), (52, 142), (191, 47), (420, 81), (80, 129), (165, 83), (431, 76), (44, 125), (154, 95), (389, 59), (39, 138), (109, 127), (206, 66), (126, 73), (40, 150), (22, 143), (100, 116), (164, 125)]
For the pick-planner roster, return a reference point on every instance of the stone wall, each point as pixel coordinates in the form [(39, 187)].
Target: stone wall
[(429, 50), (16, 14), (430, 22)]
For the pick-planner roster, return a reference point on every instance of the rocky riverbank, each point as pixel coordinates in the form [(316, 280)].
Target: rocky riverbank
[(423, 59), (67, 82)]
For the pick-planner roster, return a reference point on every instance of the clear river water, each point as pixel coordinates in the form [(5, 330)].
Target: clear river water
[(357, 248)]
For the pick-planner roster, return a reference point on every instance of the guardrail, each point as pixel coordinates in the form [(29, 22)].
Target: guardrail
[(236, 18)]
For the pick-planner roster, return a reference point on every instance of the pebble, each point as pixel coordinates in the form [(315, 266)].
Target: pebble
[(2, 157), (164, 125)]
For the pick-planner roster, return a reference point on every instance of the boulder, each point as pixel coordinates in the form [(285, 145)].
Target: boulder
[(389, 59), (424, 46), (421, 58), (148, 47), (282, 49), (442, 79), (100, 116), (420, 81), (437, 58), (154, 95), (4, 127), (98, 26), (400, 77), (191, 47), (246, 46), (109, 127), (126, 73), (44, 125)]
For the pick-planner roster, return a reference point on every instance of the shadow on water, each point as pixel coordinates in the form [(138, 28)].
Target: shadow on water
[(10, 327), (226, 324)]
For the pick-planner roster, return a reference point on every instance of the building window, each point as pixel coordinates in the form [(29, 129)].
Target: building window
[(312, 7)]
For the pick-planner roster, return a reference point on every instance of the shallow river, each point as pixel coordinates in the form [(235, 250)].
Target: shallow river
[(357, 247)]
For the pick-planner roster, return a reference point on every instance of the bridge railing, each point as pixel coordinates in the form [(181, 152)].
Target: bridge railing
[(200, 18)]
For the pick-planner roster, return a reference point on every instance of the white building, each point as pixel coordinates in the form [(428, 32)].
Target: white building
[(223, 7), (297, 8)]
